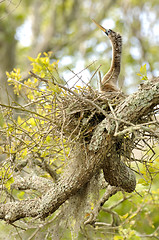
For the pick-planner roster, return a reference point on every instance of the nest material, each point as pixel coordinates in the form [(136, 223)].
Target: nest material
[(82, 112)]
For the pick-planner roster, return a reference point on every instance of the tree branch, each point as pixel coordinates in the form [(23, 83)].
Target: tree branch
[(32, 182), (93, 215), (100, 153)]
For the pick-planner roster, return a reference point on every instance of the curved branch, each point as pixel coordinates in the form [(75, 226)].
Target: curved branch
[(116, 172), (110, 191), (32, 182), (100, 154), (140, 103)]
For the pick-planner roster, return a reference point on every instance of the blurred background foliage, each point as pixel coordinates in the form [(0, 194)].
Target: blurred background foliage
[(64, 27)]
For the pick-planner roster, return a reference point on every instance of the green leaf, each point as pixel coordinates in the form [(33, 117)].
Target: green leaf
[(9, 182), (143, 182), (117, 237), (143, 70)]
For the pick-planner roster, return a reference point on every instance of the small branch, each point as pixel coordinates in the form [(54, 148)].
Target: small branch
[(110, 191), (46, 167), (116, 122), (21, 108), (106, 225), (137, 127), (21, 165), (115, 217), (120, 201), (31, 182), (152, 235)]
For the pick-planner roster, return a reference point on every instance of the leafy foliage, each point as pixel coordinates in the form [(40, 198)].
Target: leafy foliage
[(31, 135)]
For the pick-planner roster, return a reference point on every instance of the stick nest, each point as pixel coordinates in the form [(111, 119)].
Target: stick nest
[(81, 111)]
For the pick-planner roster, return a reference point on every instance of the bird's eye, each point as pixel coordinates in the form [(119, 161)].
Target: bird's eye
[(109, 31)]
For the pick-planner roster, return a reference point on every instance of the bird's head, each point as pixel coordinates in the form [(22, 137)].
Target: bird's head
[(110, 33), (113, 36)]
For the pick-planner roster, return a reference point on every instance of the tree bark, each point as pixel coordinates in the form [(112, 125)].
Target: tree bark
[(101, 153)]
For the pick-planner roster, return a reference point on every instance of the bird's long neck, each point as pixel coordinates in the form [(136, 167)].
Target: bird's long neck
[(111, 76)]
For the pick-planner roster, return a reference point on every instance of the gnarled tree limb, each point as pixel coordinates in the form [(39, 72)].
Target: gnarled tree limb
[(101, 153)]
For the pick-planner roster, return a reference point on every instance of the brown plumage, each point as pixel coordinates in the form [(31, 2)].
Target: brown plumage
[(109, 81)]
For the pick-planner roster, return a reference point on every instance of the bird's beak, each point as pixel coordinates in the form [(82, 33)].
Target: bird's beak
[(102, 28)]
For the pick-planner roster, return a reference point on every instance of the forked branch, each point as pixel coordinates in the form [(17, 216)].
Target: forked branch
[(101, 152)]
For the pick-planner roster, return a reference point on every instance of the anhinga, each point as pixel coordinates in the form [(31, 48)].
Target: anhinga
[(109, 81)]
